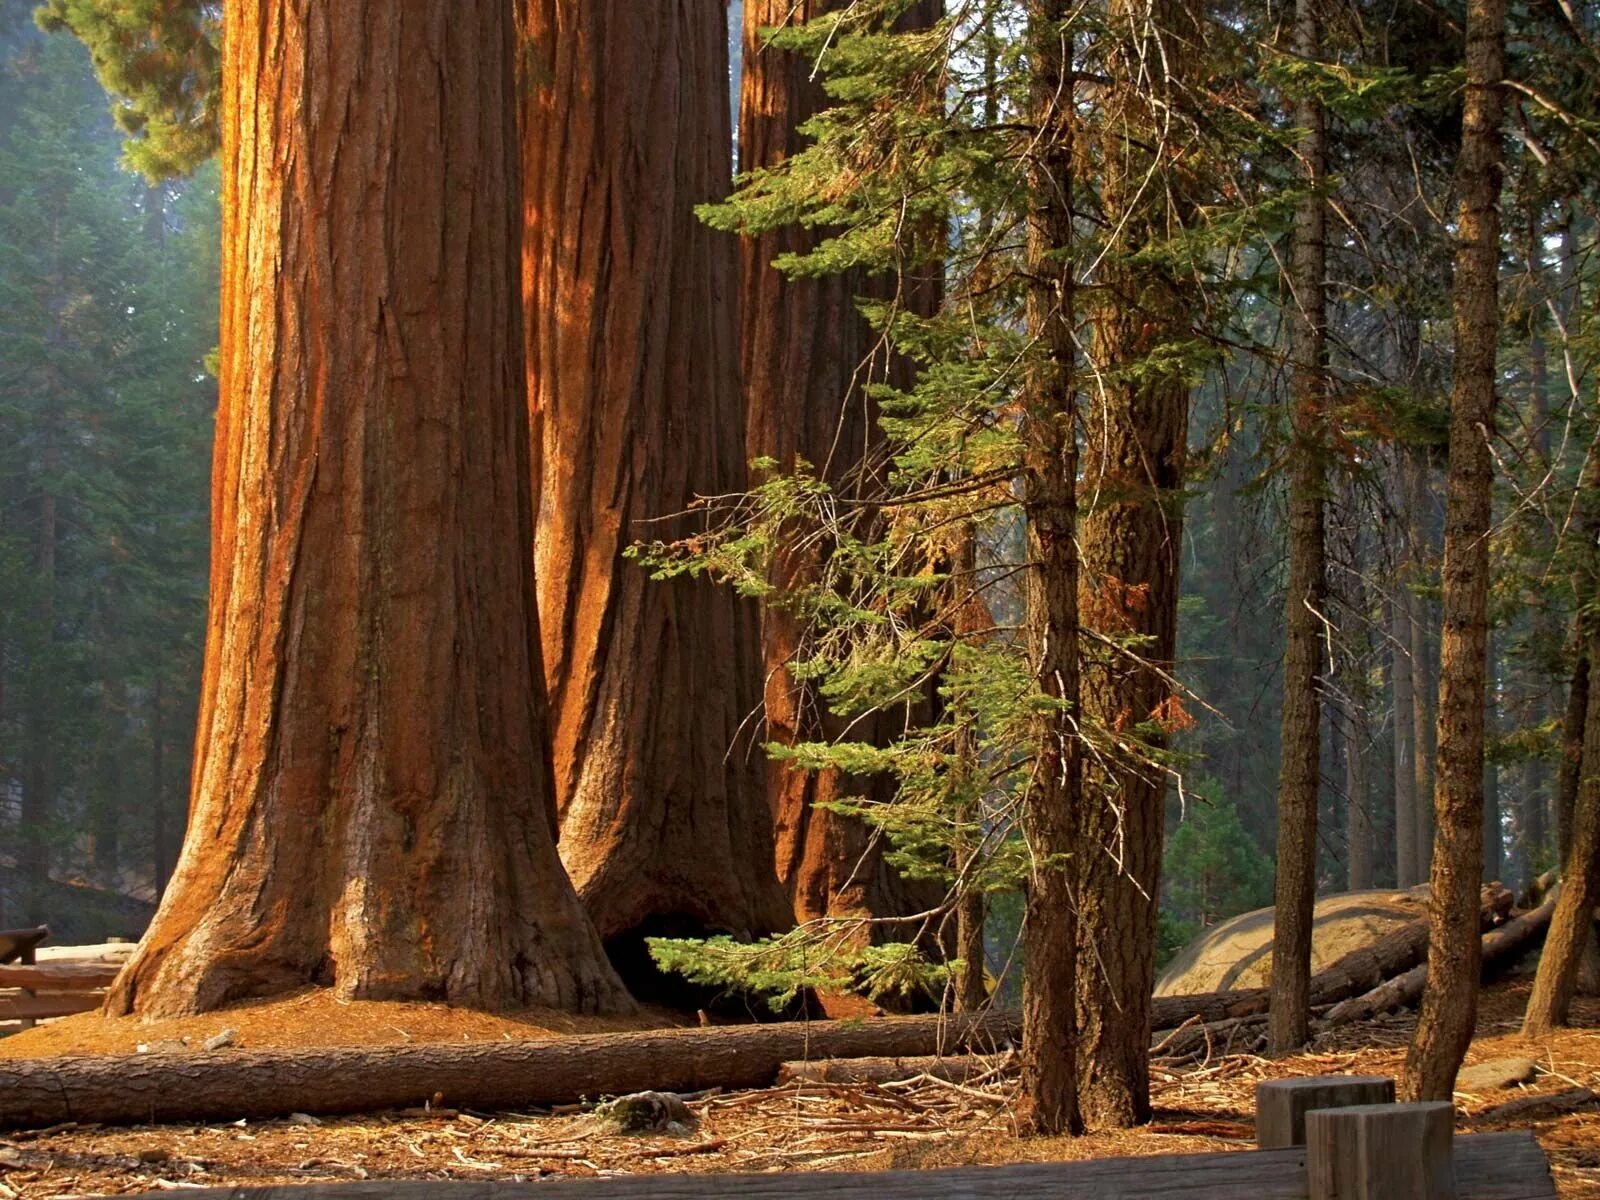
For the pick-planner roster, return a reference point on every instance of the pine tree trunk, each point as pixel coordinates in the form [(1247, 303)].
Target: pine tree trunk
[(1405, 778), (1300, 779), (1423, 672), (1049, 1102), (808, 355), (1572, 925), (1450, 1001), (372, 809), (1567, 781), (633, 370), (1491, 773), (160, 838), (1131, 538), (1360, 874)]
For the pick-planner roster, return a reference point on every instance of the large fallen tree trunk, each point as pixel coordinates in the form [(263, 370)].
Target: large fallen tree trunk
[(1501, 947), (230, 1084), (959, 1068)]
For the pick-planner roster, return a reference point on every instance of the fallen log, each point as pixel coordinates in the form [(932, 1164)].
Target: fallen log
[(959, 1068), (228, 1084), (1500, 947)]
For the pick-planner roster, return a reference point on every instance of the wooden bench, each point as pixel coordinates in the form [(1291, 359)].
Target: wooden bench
[(1364, 1152)]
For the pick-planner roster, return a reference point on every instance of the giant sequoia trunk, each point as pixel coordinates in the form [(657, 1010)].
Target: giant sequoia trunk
[(1300, 775), (1135, 450), (634, 386), (372, 804), (808, 355), (1450, 1002)]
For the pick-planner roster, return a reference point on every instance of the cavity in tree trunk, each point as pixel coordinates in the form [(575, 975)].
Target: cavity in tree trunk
[(1049, 1103), (1450, 1001), (1131, 538), (633, 377), (1295, 890), (808, 355), (373, 808)]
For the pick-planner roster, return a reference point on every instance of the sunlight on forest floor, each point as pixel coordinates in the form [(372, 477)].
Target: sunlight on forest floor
[(317, 1018), (1205, 1107)]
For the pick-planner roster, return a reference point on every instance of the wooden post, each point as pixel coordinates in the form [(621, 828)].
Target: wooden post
[(28, 959), (1381, 1152), (1282, 1104)]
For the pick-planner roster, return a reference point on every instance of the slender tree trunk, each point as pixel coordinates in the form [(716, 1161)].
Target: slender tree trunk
[(1405, 777), (1571, 773), (1572, 925), (1049, 1103), (372, 808), (808, 358), (1132, 533), (1360, 873), (1423, 673), (1492, 838), (633, 369), (972, 989), (1300, 774), (1450, 1001)]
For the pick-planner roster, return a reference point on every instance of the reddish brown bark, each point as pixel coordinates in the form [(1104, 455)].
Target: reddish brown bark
[(1450, 1001), (1133, 469), (1053, 806), (1295, 887), (372, 804), (634, 388), (808, 355)]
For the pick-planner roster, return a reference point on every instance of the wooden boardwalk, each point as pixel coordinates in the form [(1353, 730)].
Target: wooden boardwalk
[(1490, 1166)]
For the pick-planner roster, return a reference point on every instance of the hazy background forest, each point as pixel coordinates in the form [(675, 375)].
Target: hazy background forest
[(108, 299)]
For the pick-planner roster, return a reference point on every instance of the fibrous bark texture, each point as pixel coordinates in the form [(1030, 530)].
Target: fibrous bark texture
[(372, 805), (1300, 773), (1450, 1001), (1049, 1102), (808, 355), (633, 377), (1131, 534)]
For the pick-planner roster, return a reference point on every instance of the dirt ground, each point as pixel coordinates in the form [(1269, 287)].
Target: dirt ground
[(916, 1124)]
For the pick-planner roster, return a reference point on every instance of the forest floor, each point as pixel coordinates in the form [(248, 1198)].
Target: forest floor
[(800, 1127)]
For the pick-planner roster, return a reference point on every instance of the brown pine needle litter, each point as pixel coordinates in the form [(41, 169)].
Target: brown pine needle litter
[(917, 1123)]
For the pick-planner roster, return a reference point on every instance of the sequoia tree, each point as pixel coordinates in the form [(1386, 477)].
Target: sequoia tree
[(372, 804), (1301, 769), (1450, 1001), (633, 370), (809, 356), (1131, 536)]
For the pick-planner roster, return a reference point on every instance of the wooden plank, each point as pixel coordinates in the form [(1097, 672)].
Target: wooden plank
[(24, 1006), (59, 976), (1382, 1152), (1282, 1104), (1490, 1166)]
